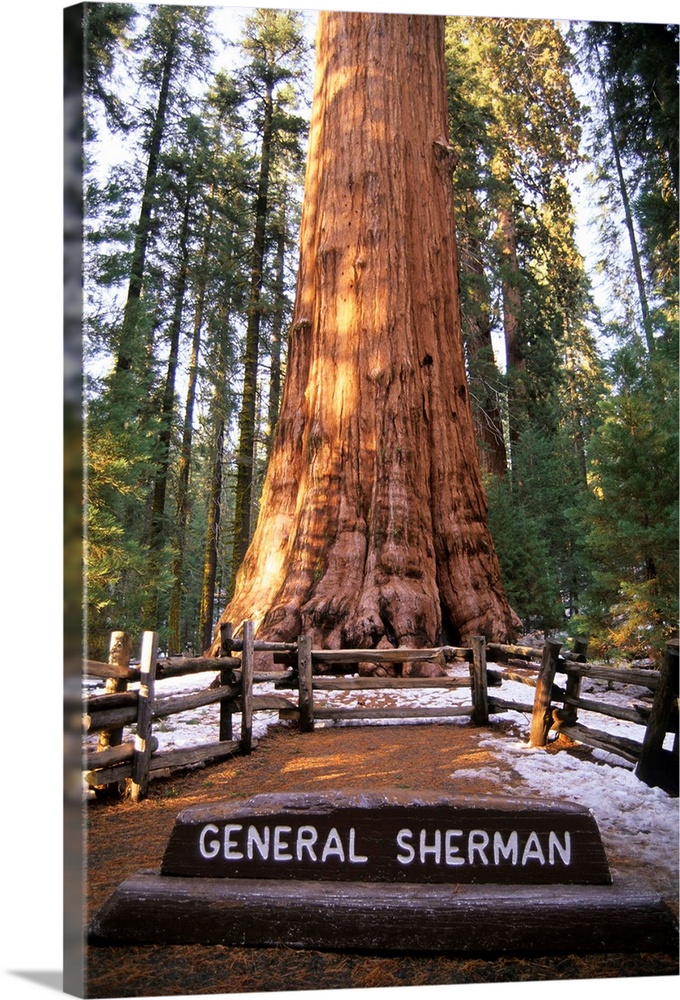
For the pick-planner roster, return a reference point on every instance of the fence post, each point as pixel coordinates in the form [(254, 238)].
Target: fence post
[(541, 717), (650, 766), (142, 754), (305, 683), (247, 661), (478, 679), (573, 684), (226, 649), (120, 650)]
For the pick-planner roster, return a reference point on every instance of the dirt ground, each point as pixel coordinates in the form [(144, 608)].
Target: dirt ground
[(123, 837)]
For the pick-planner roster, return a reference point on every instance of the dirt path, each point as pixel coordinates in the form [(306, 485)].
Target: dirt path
[(123, 838)]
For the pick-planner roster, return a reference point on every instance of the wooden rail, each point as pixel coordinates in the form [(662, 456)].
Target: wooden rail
[(477, 682), (108, 768), (113, 765), (554, 708)]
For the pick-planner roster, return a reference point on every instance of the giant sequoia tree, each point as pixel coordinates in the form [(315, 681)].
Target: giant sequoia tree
[(373, 526)]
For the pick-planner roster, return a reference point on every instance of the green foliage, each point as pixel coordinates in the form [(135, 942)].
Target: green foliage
[(634, 624), (585, 519), (515, 122), (107, 28), (524, 557), (168, 225), (631, 521), (634, 148), (535, 519), (116, 466)]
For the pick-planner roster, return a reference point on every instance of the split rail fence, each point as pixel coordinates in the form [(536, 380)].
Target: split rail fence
[(114, 761)]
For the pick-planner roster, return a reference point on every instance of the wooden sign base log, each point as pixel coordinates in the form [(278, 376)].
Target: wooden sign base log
[(150, 908)]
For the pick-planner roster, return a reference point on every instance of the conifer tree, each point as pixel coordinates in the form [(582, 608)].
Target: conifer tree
[(128, 425), (631, 523), (372, 528), (176, 37), (515, 127), (274, 45), (634, 149)]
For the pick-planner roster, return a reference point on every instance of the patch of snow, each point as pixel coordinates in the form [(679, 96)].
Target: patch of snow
[(634, 819)]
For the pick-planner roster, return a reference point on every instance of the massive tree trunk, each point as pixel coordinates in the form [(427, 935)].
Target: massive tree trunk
[(373, 527)]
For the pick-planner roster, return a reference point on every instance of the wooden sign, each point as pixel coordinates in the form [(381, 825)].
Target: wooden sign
[(388, 837), (386, 871)]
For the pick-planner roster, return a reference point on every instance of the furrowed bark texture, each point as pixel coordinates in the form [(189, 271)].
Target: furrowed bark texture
[(373, 527)]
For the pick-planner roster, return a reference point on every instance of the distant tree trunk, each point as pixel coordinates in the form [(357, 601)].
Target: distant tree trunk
[(512, 311), (244, 456), (212, 538), (627, 211), (277, 332), (485, 379), (575, 406), (373, 524), (158, 530), (129, 346), (184, 467), (218, 418)]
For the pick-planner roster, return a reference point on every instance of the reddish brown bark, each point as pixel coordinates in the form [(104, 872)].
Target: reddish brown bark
[(373, 525)]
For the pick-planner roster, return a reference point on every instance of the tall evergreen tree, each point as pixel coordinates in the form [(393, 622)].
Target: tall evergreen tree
[(106, 29), (631, 524), (275, 48), (632, 520), (515, 121), (225, 273), (176, 38), (158, 531), (515, 125), (134, 423), (634, 149), (373, 522)]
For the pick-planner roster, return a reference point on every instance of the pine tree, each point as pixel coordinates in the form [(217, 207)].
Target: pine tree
[(515, 126), (515, 122), (634, 143), (106, 31), (175, 37), (130, 411), (632, 522), (274, 44), (224, 277)]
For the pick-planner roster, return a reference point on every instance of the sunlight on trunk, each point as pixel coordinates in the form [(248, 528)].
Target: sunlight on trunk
[(373, 517)]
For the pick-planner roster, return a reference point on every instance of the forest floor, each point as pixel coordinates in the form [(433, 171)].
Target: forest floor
[(123, 838)]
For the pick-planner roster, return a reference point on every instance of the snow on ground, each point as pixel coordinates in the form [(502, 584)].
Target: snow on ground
[(635, 821)]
